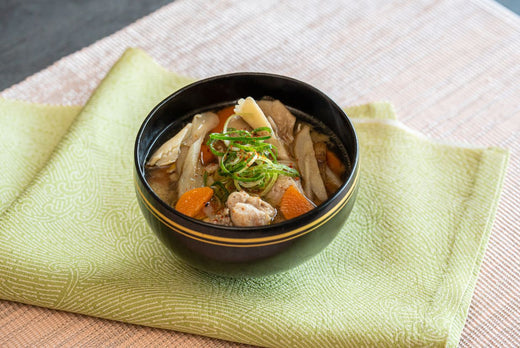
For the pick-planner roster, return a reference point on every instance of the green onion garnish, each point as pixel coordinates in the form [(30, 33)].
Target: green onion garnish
[(246, 160)]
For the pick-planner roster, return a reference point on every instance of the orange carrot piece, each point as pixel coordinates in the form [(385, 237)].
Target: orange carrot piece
[(191, 202), (223, 115), (294, 203), (206, 156), (335, 164)]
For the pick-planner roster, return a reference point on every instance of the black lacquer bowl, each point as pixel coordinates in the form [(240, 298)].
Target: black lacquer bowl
[(245, 251)]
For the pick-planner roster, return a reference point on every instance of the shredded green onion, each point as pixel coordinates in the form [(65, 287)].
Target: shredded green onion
[(221, 192), (246, 161)]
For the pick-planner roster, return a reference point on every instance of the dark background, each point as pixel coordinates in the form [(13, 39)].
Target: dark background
[(36, 33)]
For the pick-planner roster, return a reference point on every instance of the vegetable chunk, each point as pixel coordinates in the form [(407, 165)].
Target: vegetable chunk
[(192, 201), (294, 204), (169, 151), (308, 165)]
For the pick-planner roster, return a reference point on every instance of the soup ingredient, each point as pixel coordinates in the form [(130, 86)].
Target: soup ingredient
[(202, 125), (169, 151), (249, 110), (280, 118), (320, 152), (308, 165), (192, 202), (159, 181), (332, 182), (206, 156), (251, 164), (294, 204), (223, 115), (335, 164), (237, 122), (246, 160), (274, 196), (246, 210), (191, 175)]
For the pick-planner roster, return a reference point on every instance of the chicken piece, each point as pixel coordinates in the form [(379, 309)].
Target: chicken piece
[(169, 151), (308, 165), (282, 118), (274, 196), (249, 110), (246, 210), (191, 172)]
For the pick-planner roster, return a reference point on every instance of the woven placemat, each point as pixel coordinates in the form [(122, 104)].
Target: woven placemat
[(451, 68)]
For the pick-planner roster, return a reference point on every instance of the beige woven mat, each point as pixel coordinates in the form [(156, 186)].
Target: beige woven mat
[(451, 68)]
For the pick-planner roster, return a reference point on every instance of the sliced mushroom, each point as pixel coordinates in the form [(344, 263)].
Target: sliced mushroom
[(202, 124), (169, 151), (308, 165), (282, 118), (238, 123)]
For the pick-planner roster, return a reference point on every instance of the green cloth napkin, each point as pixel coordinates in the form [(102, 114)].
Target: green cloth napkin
[(28, 133), (401, 272)]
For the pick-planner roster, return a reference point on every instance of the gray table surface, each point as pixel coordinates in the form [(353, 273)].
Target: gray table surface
[(34, 33)]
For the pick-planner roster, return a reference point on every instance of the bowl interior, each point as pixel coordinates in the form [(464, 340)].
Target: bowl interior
[(172, 113)]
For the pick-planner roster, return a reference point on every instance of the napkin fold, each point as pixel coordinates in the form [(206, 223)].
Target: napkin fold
[(401, 271), (28, 133)]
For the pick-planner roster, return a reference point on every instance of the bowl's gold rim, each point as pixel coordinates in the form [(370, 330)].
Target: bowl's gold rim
[(249, 242)]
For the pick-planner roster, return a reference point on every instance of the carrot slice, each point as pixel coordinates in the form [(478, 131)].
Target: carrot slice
[(206, 156), (191, 202), (223, 115), (294, 204), (335, 164)]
